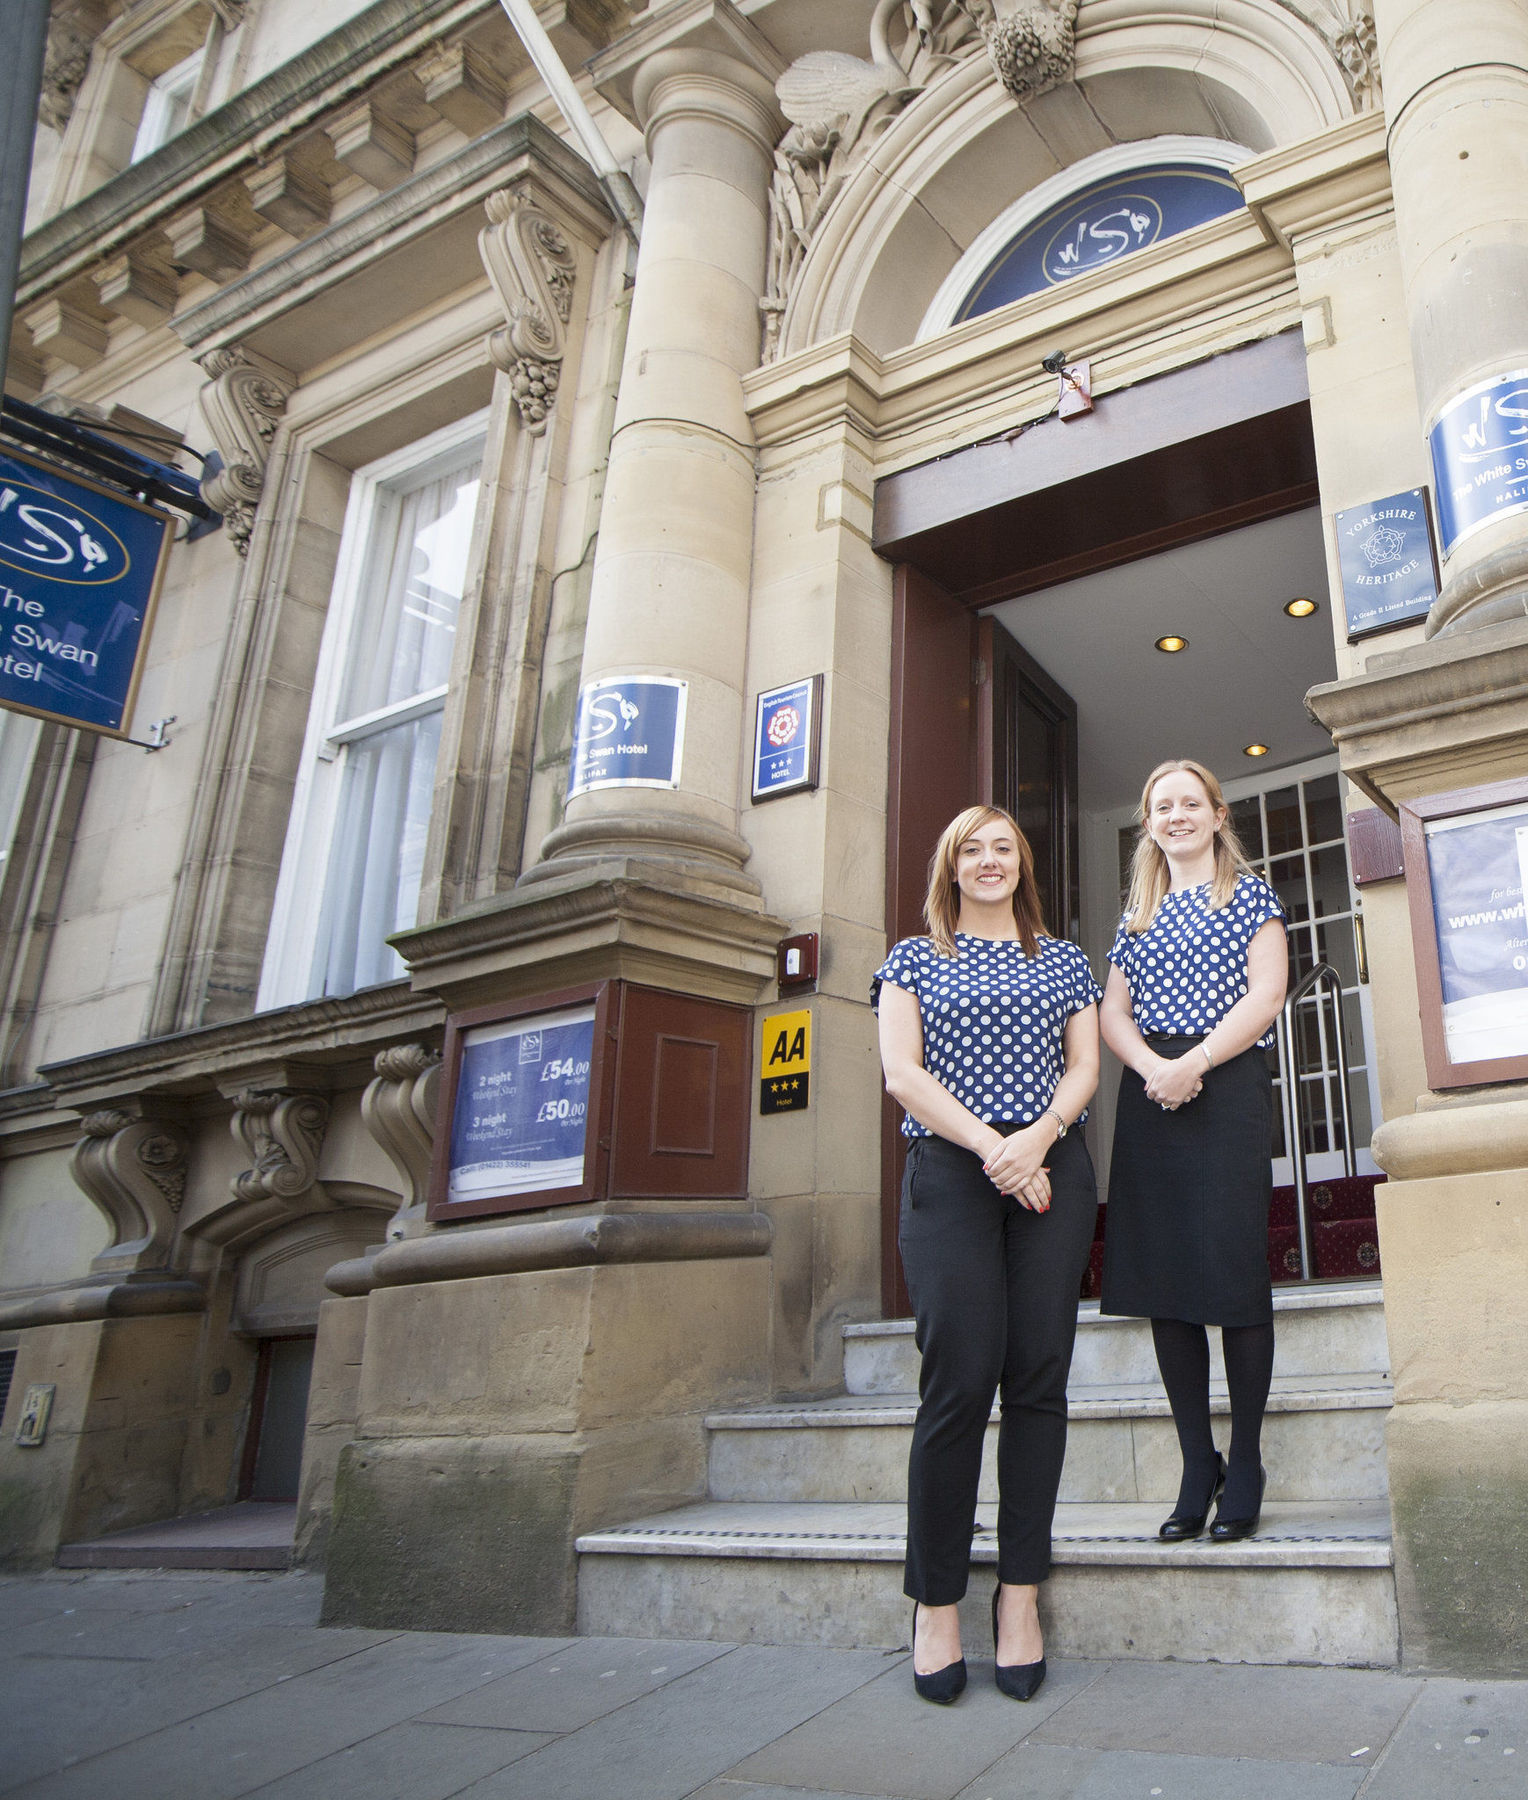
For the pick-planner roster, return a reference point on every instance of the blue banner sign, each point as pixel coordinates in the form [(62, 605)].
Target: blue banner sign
[(1480, 456), (630, 733), (1476, 864), (1100, 226), (80, 569), (1389, 569), (787, 732), (520, 1122)]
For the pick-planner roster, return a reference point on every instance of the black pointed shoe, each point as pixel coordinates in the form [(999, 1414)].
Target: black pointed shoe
[(1227, 1531), (945, 1685), (1019, 1681), (1182, 1526)]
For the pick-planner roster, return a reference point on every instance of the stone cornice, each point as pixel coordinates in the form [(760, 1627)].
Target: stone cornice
[(235, 136), (1329, 180), (389, 223), (316, 1035)]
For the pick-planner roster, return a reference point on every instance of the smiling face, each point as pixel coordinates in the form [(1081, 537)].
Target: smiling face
[(1183, 821), (987, 866)]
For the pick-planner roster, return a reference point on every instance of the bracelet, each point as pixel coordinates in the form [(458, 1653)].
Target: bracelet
[(1207, 1057), (1062, 1125)]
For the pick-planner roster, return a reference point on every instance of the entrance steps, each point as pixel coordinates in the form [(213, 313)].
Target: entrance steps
[(801, 1536)]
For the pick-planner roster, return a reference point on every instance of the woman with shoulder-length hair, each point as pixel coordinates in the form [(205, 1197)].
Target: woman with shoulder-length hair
[(989, 1040), (1199, 967)]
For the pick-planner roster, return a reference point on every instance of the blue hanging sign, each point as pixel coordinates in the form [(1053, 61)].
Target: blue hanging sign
[(787, 734), (630, 733), (80, 572), (519, 1124), (1480, 456), (1100, 226), (1388, 563)]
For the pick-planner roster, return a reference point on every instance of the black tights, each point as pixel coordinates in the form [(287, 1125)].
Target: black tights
[(1183, 1356)]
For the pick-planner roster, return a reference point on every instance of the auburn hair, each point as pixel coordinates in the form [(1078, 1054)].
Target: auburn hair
[(941, 905), (1150, 876)]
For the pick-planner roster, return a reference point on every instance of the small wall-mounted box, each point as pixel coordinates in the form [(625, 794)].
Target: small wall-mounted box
[(796, 962)]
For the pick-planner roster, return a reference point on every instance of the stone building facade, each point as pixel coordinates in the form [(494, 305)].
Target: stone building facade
[(475, 448)]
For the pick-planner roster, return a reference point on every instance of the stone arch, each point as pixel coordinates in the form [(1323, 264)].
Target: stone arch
[(1248, 71), (279, 1284)]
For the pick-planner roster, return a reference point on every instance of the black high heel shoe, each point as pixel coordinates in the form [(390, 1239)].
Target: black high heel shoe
[(1184, 1525), (944, 1685), (1019, 1681), (1227, 1531)]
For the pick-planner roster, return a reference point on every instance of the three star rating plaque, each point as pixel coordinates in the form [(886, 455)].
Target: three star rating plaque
[(786, 1063)]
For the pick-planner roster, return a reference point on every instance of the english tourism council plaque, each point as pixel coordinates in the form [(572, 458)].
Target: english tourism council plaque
[(1388, 561)]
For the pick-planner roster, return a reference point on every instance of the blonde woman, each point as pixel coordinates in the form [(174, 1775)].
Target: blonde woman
[(1197, 977), (989, 1039)]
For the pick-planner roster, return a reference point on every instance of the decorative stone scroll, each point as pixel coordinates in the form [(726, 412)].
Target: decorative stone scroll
[(134, 1170), (838, 105), (73, 27), (1032, 43), (532, 267), (399, 1111), (1356, 48), (284, 1134), (242, 405)]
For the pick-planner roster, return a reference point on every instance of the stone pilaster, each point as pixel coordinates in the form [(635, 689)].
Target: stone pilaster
[(671, 573), (1456, 101)]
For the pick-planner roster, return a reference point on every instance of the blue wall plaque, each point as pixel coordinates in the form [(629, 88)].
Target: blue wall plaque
[(1388, 565), (80, 569), (787, 732), (520, 1119), (1101, 225), (1480, 456), (630, 734)]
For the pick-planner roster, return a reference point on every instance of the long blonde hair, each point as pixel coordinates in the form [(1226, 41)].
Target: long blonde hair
[(941, 905), (1150, 876)]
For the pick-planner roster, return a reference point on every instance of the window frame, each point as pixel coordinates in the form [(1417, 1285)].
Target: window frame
[(302, 902)]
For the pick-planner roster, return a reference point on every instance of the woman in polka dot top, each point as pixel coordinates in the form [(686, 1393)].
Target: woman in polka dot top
[(989, 1039), (1199, 966)]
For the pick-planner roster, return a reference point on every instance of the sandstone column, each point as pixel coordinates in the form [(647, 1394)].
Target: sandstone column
[(672, 568), (1456, 97)]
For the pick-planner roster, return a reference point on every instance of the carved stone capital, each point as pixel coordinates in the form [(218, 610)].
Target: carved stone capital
[(284, 1135), (399, 1111), (72, 31), (134, 1169), (532, 267), (1032, 43), (242, 404)]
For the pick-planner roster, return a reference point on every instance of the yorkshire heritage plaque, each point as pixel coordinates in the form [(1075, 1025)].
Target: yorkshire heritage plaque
[(1388, 562)]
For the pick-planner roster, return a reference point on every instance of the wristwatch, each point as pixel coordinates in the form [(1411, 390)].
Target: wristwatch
[(1061, 1124)]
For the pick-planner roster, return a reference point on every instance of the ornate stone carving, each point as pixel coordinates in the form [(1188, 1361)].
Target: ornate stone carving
[(838, 106), (283, 1133), (242, 405), (1032, 43), (1356, 47), (532, 268), (134, 1170), (72, 31), (399, 1111)]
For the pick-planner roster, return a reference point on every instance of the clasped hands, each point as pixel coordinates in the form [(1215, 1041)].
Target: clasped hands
[(1016, 1167), (1175, 1080)]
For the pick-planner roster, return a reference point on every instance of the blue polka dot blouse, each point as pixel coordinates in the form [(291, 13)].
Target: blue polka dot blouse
[(992, 1019), (1190, 968)]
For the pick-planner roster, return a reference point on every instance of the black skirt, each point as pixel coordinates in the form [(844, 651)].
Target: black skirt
[(1186, 1233)]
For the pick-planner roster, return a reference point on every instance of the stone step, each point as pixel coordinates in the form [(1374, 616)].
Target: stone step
[(1323, 1440), (1314, 1586), (1321, 1329)]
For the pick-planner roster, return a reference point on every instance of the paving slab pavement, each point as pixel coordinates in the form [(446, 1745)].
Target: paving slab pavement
[(222, 1686)]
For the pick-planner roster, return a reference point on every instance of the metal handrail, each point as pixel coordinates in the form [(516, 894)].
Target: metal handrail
[(1289, 1073)]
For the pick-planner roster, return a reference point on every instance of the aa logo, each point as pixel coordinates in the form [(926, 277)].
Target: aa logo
[(784, 1079)]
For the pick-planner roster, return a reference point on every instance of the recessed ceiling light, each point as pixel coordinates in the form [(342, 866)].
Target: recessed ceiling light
[(1255, 750), (1300, 608), (1172, 643)]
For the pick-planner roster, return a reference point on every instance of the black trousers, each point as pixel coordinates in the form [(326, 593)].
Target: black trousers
[(994, 1289)]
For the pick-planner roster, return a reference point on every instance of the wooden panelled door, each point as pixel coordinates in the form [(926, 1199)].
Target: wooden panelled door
[(973, 717)]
